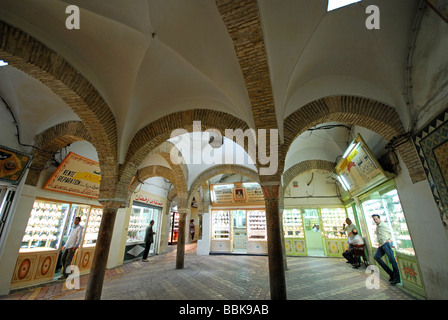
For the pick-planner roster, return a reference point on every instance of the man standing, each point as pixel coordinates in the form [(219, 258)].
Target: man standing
[(383, 235), (73, 242), (149, 238)]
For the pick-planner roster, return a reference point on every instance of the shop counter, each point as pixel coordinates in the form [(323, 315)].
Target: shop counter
[(295, 246), (220, 246), (34, 267), (257, 247)]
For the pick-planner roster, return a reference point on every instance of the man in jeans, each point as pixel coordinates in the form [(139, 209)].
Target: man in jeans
[(73, 242), (383, 235)]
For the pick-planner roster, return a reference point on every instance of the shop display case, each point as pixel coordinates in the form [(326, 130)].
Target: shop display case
[(174, 228), (138, 222), (388, 207), (384, 201), (403, 240), (334, 236), (221, 231), (45, 225), (46, 233), (93, 227), (256, 225), (294, 234), (292, 223), (333, 220), (221, 225)]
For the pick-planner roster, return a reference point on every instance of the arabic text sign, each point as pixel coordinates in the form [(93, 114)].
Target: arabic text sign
[(76, 175)]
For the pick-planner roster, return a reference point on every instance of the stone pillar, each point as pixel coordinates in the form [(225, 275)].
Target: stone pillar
[(275, 252), (98, 270)]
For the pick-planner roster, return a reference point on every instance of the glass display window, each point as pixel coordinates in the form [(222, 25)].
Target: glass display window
[(93, 227), (139, 220), (256, 225), (333, 220), (174, 228), (386, 203), (220, 224), (402, 236), (46, 225), (292, 223)]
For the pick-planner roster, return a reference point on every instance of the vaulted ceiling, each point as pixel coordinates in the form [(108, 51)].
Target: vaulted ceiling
[(151, 58)]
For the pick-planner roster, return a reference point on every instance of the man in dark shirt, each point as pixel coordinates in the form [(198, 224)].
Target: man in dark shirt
[(149, 238)]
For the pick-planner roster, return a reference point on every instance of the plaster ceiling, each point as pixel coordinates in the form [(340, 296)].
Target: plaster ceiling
[(150, 58)]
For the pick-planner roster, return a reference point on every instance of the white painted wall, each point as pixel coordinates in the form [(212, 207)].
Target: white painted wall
[(308, 195), (427, 232)]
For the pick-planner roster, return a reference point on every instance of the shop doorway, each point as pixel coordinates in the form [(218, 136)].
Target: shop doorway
[(313, 233), (174, 228), (239, 231)]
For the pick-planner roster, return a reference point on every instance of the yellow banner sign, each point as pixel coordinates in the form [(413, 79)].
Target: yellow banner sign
[(76, 175)]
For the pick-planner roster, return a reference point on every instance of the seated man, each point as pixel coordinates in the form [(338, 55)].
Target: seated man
[(349, 254)]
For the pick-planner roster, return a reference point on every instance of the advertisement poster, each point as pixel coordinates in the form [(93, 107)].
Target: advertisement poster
[(76, 175), (228, 194)]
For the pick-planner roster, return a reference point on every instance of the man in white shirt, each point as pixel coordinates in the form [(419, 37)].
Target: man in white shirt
[(73, 242), (355, 240), (348, 229), (383, 235)]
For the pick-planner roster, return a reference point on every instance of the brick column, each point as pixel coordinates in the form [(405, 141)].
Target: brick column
[(98, 270), (182, 200), (180, 256), (281, 208), (275, 252)]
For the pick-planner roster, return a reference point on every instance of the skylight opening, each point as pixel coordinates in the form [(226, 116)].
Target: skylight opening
[(336, 4), (3, 63)]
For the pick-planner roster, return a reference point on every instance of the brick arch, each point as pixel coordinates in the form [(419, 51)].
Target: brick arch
[(51, 141), (178, 182), (307, 166), (154, 134), (220, 169), (31, 56), (165, 150), (373, 115)]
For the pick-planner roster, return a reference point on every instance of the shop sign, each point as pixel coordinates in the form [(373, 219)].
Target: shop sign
[(13, 164), (148, 200), (358, 169), (76, 175), (245, 193)]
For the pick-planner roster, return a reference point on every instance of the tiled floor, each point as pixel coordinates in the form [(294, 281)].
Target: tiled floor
[(223, 277)]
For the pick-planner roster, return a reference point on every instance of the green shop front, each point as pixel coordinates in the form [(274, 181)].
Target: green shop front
[(315, 231), (368, 190)]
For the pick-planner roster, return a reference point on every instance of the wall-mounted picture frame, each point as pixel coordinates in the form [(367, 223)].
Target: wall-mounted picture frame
[(239, 194), (13, 164)]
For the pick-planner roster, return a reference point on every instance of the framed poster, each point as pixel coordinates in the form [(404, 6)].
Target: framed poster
[(358, 170), (13, 164), (239, 194), (76, 175)]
